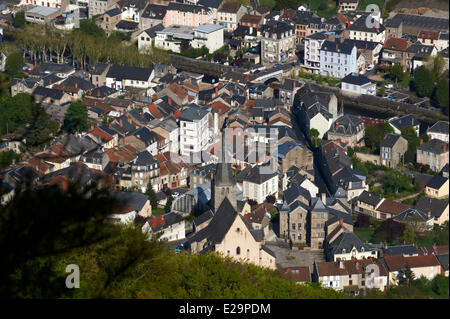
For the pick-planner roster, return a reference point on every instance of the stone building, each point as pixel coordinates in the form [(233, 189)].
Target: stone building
[(277, 42)]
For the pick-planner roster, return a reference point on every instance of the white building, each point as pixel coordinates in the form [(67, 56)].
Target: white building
[(208, 35), (439, 131), (147, 37), (312, 51), (229, 14), (259, 184), (338, 59), (171, 226), (367, 28), (195, 134), (59, 4), (122, 77), (357, 84)]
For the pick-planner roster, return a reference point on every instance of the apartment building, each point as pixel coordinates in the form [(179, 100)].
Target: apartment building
[(277, 42), (98, 7), (229, 15), (194, 130), (187, 15), (434, 154), (338, 59), (258, 184), (392, 150)]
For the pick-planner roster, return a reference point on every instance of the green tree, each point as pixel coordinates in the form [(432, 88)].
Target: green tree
[(76, 118), (89, 27), (396, 181), (396, 72), (406, 276), (168, 206), (152, 196), (382, 91), (409, 235), (4, 87), (14, 63), (7, 158), (313, 134), (423, 82), (19, 19), (436, 64), (440, 285), (440, 95), (267, 3), (374, 134), (14, 113), (409, 133), (41, 128)]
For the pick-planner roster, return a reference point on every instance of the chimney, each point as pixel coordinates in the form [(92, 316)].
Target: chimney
[(110, 125), (50, 81), (341, 221), (444, 147), (154, 97), (121, 122), (434, 247), (170, 101), (337, 46), (429, 213), (231, 92), (385, 246), (336, 125), (98, 93), (217, 90), (341, 264), (324, 197), (421, 141)]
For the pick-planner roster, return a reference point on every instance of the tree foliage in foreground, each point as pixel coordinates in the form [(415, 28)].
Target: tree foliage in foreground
[(51, 228)]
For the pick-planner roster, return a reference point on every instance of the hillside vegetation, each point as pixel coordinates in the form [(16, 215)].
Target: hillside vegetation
[(43, 231)]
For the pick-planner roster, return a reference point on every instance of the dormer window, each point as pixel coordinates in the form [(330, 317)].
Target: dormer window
[(343, 250)]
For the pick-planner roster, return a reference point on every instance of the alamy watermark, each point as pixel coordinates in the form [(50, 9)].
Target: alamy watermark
[(73, 279)]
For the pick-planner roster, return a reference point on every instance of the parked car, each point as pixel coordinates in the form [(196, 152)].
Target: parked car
[(370, 67), (389, 86)]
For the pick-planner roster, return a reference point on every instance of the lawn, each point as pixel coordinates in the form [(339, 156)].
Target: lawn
[(365, 234), (157, 211)]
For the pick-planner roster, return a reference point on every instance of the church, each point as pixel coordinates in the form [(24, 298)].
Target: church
[(227, 232)]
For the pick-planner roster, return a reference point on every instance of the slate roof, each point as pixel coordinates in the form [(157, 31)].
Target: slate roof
[(203, 218), (144, 158), (347, 240), (401, 250), (390, 140), (193, 113), (434, 205), (347, 125), (127, 25), (434, 146), (410, 215), (437, 182), (154, 11), (404, 121), (75, 81), (369, 198), (441, 127), (342, 47), (210, 3), (420, 50), (129, 73), (152, 32), (113, 12), (255, 176), (46, 92), (48, 67), (424, 22), (443, 260), (361, 25), (182, 7), (101, 92), (140, 4), (356, 79)]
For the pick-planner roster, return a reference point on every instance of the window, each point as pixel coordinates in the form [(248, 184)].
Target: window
[(238, 250)]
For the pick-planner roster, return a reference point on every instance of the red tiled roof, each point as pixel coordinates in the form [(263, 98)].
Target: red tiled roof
[(105, 137), (280, 119), (299, 274), (398, 44), (422, 261), (249, 18), (154, 111), (157, 221), (391, 207), (220, 107), (175, 88), (177, 114), (330, 269)]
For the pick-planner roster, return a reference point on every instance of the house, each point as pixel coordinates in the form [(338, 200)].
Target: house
[(357, 84), (367, 203), (98, 76), (110, 19), (394, 51), (147, 37), (416, 219), (168, 128), (170, 227), (42, 14), (98, 7), (439, 209), (125, 77), (51, 96), (347, 246), (430, 37), (361, 29), (229, 15), (302, 20), (251, 21), (392, 150), (60, 70), (152, 15), (293, 218), (439, 131), (173, 171), (312, 45), (424, 265), (230, 234), (130, 204), (338, 59), (26, 85), (369, 51), (187, 15), (259, 183), (434, 154), (417, 54), (259, 217), (351, 276), (208, 35), (194, 130), (437, 187), (132, 9), (288, 90), (399, 123), (292, 153), (201, 175), (145, 172), (277, 42), (347, 5), (443, 260), (389, 208), (347, 129)]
